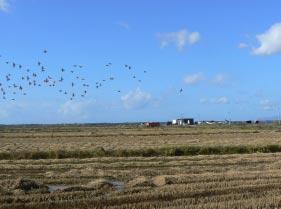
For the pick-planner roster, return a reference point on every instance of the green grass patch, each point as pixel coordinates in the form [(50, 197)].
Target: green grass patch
[(151, 152)]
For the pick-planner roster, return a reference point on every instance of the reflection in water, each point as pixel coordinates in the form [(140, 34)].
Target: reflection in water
[(53, 188), (117, 185)]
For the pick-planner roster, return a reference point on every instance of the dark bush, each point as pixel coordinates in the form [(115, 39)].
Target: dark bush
[(211, 150), (273, 148), (99, 152), (192, 150), (150, 152), (39, 155)]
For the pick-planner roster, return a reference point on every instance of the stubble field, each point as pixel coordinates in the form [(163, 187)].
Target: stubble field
[(137, 167)]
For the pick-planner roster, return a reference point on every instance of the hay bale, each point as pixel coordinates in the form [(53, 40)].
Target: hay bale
[(26, 184), (50, 174), (103, 184), (101, 173), (72, 173), (140, 181), (88, 172), (18, 192), (159, 181)]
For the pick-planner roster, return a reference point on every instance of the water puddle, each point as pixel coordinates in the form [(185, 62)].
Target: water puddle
[(118, 185), (53, 188)]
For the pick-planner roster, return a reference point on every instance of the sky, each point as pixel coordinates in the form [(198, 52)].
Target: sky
[(210, 60)]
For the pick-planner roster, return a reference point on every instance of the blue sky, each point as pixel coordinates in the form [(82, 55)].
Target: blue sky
[(225, 55)]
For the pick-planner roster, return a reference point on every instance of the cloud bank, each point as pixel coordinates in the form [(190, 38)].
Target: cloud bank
[(220, 79), (220, 100), (79, 109), (136, 99), (269, 41), (179, 39), (4, 5), (193, 79)]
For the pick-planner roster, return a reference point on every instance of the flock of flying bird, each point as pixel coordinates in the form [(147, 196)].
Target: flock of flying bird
[(20, 78), (68, 81)]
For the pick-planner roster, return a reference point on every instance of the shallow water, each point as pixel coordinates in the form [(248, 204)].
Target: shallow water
[(118, 185), (53, 188)]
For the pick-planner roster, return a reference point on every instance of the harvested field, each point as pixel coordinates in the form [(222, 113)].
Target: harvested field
[(197, 181), (131, 137)]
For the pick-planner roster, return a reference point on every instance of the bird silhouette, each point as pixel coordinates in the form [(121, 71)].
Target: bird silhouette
[(16, 82)]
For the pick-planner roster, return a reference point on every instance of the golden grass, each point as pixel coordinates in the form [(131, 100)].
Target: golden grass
[(201, 181), (132, 138)]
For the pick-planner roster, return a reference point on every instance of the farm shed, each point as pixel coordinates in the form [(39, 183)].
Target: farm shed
[(152, 124), (185, 121), (174, 122)]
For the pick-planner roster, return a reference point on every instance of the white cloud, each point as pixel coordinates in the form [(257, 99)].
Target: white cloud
[(194, 78), (266, 104), (219, 100), (10, 109), (243, 45), (193, 38), (179, 39), (136, 99), (270, 41), (203, 101), (76, 108), (124, 25), (4, 5), (220, 79), (222, 100)]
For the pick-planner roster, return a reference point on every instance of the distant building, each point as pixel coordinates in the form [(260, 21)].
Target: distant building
[(185, 121), (152, 124)]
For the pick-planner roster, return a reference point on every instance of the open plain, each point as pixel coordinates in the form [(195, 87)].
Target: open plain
[(137, 167)]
